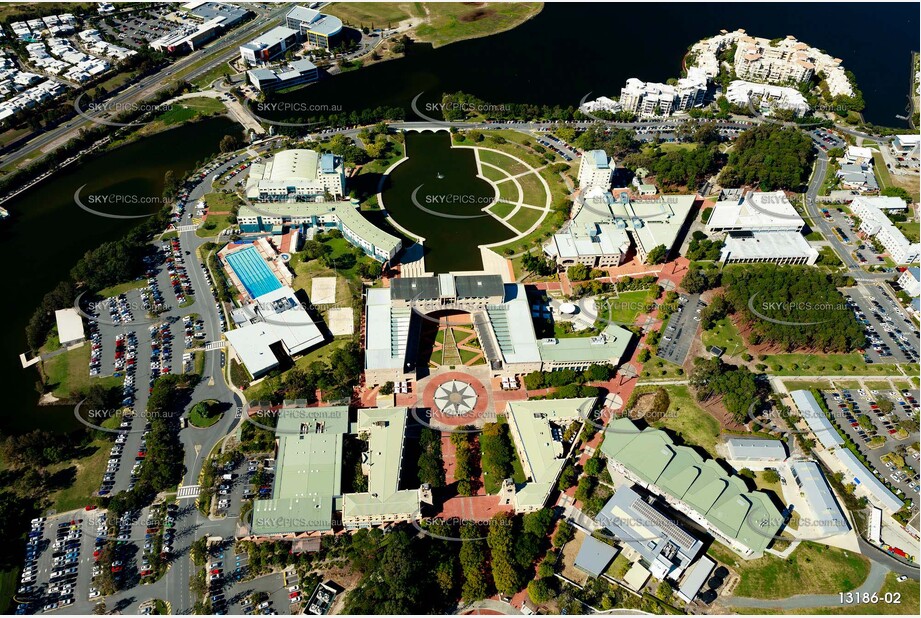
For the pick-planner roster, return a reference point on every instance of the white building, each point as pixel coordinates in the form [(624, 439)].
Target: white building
[(875, 223), (296, 175), (773, 247), (882, 202), (906, 144), (269, 46), (603, 229), (655, 99), (910, 281), (595, 170), (70, 326), (785, 63), (858, 155), (755, 211), (767, 97)]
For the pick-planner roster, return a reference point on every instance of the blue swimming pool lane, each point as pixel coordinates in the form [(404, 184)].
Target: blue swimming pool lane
[(253, 272)]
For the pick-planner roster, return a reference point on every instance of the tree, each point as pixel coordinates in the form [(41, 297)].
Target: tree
[(657, 255), (539, 590), (788, 149), (564, 534), (577, 272), (538, 523), (643, 356), (229, 143), (387, 388), (171, 184), (314, 249), (771, 476), (501, 541)]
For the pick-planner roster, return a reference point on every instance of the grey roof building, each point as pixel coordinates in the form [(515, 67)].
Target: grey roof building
[(864, 478), (809, 409), (752, 449), (665, 547), (594, 556), (827, 520)]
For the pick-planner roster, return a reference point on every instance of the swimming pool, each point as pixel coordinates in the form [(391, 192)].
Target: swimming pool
[(253, 272)]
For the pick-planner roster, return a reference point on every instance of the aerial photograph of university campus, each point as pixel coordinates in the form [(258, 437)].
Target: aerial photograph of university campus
[(402, 308)]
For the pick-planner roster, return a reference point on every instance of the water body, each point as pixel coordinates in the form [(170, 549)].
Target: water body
[(570, 50), (48, 233), (437, 195)]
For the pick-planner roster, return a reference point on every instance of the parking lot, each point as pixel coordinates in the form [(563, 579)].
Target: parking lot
[(843, 227), (826, 139), (133, 338), (138, 28), (678, 333), (891, 336), (857, 413)]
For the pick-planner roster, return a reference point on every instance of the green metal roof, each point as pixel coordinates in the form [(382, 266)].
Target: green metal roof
[(748, 517), (384, 429), (308, 471), (610, 345)]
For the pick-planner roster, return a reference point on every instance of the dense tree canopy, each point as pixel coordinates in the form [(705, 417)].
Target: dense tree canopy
[(769, 157), (792, 306)]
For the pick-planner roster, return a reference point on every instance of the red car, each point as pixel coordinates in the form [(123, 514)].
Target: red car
[(294, 595), (116, 569), (215, 571)]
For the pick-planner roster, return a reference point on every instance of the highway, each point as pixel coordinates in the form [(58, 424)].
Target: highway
[(219, 52)]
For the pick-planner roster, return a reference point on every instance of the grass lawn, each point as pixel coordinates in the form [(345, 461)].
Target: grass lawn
[(213, 226), (810, 569), (204, 81), (509, 191), (467, 356), (814, 236), (69, 373), (626, 306), (618, 567), (910, 229), (525, 218), (511, 166), (765, 485), (198, 419), (687, 419), (825, 364), (187, 109), (501, 210), (449, 22), (725, 335), (882, 173), (379, 14), (822, 385), (492, 173), (89, 471), (121, 288), (659, 368), (533, 189)]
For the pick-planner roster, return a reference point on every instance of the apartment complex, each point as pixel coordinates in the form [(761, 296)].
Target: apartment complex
[(767, 97), (655, 99), (785, 61), (875, 224)]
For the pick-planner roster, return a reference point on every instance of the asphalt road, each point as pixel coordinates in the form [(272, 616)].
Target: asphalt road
[(221, 51)]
